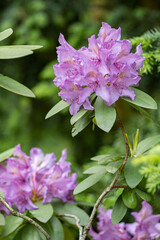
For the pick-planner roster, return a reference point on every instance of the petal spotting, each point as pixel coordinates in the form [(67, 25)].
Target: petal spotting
[(106, 68)]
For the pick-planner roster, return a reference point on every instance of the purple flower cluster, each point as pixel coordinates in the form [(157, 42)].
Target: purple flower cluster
[(146, 226), (106, 67), (25, 180)]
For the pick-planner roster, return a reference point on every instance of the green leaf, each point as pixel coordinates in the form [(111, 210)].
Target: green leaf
[(61, 208), (145, 196), (118, 212), (146, 144), (105, 115), (6, 154), (93, 169), (77, 116), (57, 108), (132, 174), (43, 213), (12, 223), (2, 220), (112, 167), (30, 232), (14, 86), (5, 34), (89, 181), (142, 99), (68, 234), (58, 233), (82, 123), (10, 52), (129, 198)]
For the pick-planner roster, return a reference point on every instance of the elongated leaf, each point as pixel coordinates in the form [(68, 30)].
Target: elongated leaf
[(119, 210), (90, 181), (57, 108), (58, 232), (146, 144), (5, 34), (77, 116), (132, 174), (12, 223), (142, 99), (14, 86), (145, 196), (101, 157), (6, 154), (82, 123), (61, 208), (93, 169), (2, 220), (43, 213), (105, 115), (112, 167), (129, 198), (30, 232), (10, 52)]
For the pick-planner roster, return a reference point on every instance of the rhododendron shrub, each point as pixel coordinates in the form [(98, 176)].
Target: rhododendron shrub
[(90, 81)]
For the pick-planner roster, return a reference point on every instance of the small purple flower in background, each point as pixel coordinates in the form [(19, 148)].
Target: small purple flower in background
[(108, 231), (106, 67), (146, 226), (25, 180)]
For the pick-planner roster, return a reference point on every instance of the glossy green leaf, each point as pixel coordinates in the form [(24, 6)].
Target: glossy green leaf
[(14, 86), (12, 223), (57, 108), (146, 144), (105, 115), (145, 196), (129, 198), (119, 211), (58, 233), (142, 99), (61, 208), (89, 181), (16, 51), (132, 174), (82, 123), (112, 167), (30, 232), (5, 34), (2, 220), (6, 154), (43, 213), (93, 169)]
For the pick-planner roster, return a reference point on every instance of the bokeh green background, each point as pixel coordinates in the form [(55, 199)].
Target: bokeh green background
[(39, 22)]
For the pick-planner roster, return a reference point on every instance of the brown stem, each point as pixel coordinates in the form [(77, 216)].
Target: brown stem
[(30, 220), (110, 187)]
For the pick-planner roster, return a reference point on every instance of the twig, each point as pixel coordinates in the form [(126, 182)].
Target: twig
[(30, 220), (76, 219), (121, 186), (110, 187)]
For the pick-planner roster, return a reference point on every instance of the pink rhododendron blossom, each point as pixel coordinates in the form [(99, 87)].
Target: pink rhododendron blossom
[(25, 180), (146, 226), (108, 231), (106, 68)]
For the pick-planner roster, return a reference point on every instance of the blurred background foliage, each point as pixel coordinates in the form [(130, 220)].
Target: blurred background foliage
[(40, 22)]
